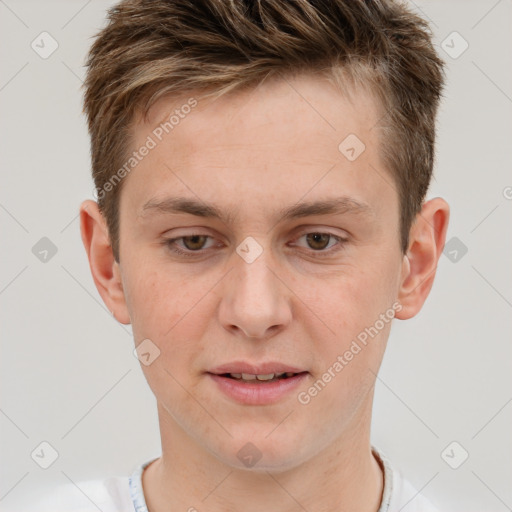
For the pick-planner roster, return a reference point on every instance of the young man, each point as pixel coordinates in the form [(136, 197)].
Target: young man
[(261, 169)]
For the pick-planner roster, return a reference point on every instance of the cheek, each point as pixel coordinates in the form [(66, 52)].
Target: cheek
[(344, 311), (347, 301), (173, 311), (350, 351), (167, 312), (158, 302)]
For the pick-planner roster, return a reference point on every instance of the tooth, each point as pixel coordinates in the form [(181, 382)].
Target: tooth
[(268, 376), (263, 377)]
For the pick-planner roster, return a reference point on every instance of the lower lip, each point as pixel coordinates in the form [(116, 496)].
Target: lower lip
[(259, 393)]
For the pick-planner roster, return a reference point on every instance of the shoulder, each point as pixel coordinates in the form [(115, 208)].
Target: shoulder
[(399, 494), (407, 499), (109, 495)]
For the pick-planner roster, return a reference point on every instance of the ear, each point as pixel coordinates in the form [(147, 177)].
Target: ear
[(104, 269), (426, 241)]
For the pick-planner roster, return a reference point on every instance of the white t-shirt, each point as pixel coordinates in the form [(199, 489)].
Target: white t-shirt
[(125, 494)]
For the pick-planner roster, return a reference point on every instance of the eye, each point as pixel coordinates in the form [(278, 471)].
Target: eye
[(322, 242), (190, 244), (197, 244)]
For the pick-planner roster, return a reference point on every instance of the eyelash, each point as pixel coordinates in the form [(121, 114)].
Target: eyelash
[(170, 243)]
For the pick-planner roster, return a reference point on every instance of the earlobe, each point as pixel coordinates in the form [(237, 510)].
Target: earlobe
[(104, 269), (426, 241)]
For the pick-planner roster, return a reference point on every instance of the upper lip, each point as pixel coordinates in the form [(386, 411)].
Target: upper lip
[(256, 368)]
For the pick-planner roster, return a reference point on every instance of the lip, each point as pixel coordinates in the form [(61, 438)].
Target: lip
[(255, 369), (257, 393)]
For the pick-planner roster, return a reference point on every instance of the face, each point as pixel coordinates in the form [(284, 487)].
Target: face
[(248, 237)]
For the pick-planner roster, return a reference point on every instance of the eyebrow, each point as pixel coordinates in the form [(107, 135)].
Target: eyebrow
[(337, 206)]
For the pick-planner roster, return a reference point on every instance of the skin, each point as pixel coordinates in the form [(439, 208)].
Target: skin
[(252, 153)]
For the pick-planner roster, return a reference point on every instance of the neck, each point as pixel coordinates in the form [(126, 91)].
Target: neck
[(343, 476)]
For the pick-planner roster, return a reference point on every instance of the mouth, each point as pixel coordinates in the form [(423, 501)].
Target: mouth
[(263, 384), (259, 378), (251, 371)]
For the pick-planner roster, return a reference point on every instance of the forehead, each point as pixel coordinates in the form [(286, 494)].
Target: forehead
[(277, 138), (319, 103)]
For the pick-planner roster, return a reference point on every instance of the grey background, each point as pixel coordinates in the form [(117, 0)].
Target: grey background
[(68, 374)]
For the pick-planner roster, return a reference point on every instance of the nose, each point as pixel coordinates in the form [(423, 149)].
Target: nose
[(255, 303)]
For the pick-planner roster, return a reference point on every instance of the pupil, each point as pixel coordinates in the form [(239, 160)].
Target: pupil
[(192, 240), (318, 240)]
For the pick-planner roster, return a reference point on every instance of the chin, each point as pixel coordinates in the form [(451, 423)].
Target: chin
[(263, 452)]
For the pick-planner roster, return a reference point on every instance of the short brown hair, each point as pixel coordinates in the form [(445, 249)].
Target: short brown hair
[(154, 47)]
